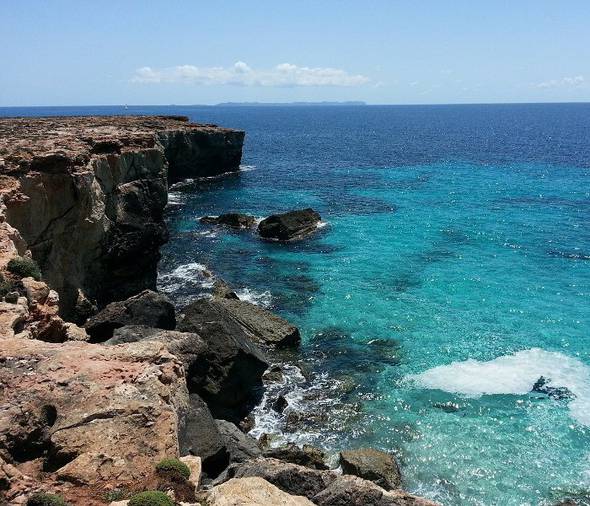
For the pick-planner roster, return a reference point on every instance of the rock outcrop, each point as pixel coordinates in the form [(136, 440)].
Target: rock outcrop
[(229, 378), (289, 226), (147, 308), (325, 488), (373, 465), (233, 220), (87, 195), (89, 414)]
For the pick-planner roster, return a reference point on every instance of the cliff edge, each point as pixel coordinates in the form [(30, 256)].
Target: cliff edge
[(87, 196)]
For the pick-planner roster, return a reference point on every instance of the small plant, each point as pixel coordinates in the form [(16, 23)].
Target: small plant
[(44, 499), (24, 267), (151, 498), (174, 467), (115, 495)]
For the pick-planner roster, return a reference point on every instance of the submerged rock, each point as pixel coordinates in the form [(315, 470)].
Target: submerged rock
[(373, 465), (288, 226), (147, 308), (233, 220), (558, 393)]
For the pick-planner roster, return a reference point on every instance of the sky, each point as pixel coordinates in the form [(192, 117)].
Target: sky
[(140, 52)]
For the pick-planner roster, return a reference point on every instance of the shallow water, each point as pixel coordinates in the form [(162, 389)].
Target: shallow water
[(453, 272)]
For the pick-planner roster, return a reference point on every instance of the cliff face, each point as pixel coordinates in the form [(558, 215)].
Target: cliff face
[(87, 196)]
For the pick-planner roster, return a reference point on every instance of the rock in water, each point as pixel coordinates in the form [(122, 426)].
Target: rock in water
[(233, 220), (373, 465), (288, 226), (229, 378), (263, 326), (558, 393), (147, 308), (222, 290)]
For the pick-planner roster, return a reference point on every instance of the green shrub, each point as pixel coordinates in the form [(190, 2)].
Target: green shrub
[(115, 495), (24, 267), (151, 498), (173, 466), (43, 499)]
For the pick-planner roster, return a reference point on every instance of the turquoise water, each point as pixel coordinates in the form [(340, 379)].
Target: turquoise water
[(475, 258), (453, 272)]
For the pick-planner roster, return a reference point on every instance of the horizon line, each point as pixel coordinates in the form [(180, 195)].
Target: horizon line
[(301, 103)]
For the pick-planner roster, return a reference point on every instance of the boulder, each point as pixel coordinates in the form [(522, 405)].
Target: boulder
[(194, 464), (293, 479), (289, 226), (262, 326), (146, 308), (373, 465), (229, 378), (200, 436), (307, 456), (325, 488), (234, 220), (354, 491), (252, 492), (273, 374), (241, 447)]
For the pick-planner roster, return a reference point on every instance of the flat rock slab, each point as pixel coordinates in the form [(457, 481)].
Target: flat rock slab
[(252, 492)]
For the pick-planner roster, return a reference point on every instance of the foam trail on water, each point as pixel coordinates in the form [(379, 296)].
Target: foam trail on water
[(514, 374), (259, 298)]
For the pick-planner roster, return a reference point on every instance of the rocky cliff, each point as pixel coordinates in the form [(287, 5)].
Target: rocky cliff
[(87, 196)]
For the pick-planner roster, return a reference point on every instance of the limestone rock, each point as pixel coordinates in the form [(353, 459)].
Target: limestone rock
[(373, 465), (92, 413), (147, 308), (289, 226), (37, 291), (87, 195), (194, 464), (252, 492)]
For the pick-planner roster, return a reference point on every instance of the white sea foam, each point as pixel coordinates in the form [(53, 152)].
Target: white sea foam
[(514, 374), (247, 168), (260, 298), (194, 273), (176, 198), (181, 184), (322, 224)]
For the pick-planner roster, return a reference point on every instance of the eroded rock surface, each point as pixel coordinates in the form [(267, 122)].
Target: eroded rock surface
[(373, 465), (87, 195)]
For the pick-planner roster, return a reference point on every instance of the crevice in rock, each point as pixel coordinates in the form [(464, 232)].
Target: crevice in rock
[(31, 439)]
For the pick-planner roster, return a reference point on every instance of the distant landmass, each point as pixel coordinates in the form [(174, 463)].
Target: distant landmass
[(290, 104)]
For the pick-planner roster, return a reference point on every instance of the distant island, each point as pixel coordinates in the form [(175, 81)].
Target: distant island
[(289, 104)]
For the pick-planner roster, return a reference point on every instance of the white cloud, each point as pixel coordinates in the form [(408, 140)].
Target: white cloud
[(564, 82), (241, 74)]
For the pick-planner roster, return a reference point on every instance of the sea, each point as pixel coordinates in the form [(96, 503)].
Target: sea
[(450, 273)]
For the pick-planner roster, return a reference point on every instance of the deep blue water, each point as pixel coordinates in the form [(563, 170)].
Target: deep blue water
[(453, 272)]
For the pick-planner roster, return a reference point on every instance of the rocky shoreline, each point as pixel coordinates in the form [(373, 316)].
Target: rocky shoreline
[(108, 390)]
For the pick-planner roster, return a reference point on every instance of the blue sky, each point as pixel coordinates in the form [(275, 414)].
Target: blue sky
[(80, 52)]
